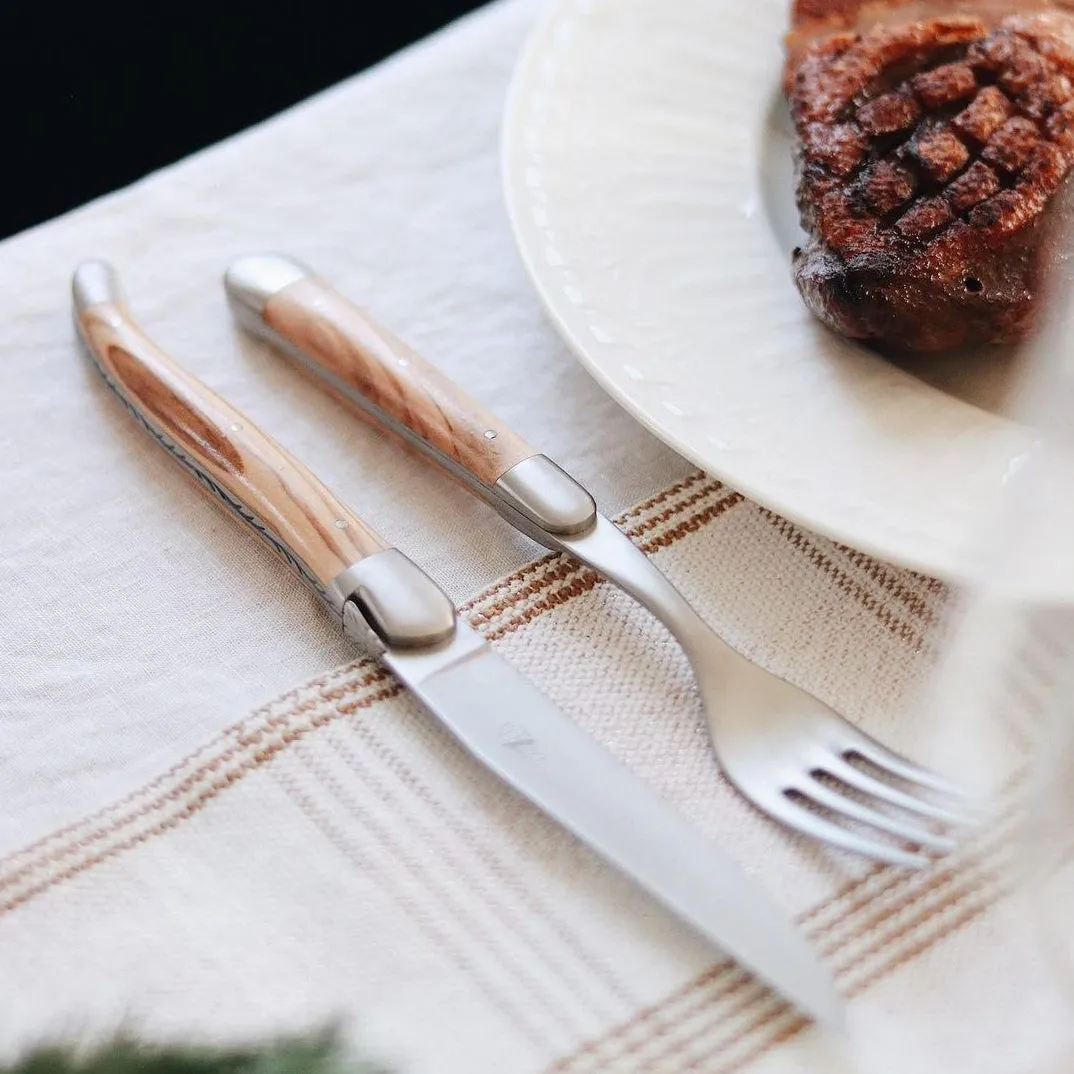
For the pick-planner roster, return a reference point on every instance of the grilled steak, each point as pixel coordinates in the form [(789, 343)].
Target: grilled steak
[(933, 140)]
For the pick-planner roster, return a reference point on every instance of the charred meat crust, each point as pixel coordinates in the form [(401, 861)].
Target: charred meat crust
[(932, 142)]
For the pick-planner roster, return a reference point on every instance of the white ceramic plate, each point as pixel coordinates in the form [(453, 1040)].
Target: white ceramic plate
[(647, 165)]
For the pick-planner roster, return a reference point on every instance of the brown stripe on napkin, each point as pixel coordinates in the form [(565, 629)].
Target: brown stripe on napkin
[(880, 923), (717, 1022), (188, 786)]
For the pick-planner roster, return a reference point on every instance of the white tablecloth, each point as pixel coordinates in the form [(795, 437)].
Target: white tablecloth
[(137, 620)]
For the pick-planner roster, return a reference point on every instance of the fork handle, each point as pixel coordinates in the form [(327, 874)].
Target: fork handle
[(347, 344), (387, 383)]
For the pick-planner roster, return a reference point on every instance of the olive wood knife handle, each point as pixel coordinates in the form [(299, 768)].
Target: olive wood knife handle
[(260, 482)]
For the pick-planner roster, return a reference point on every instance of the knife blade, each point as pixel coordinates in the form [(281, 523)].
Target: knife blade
[(385, 604), (507, 724)]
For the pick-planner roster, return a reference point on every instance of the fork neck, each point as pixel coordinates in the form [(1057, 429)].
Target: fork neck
[(609, 552)]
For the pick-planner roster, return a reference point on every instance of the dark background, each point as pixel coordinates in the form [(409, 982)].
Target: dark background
[(99, 93)]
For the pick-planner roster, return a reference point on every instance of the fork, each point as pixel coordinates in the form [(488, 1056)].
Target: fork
[(786, 751)]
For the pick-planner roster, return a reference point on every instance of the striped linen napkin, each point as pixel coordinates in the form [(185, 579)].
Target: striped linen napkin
[(336, 855)]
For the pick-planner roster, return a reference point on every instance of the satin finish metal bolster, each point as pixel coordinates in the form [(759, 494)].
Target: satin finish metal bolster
[(94, 283), (252, 282), (547, 496), (386, 601)]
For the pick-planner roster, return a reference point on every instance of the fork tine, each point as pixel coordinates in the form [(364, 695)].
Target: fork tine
[(860, 781), (816, 827), (877, 754), (847, 807)]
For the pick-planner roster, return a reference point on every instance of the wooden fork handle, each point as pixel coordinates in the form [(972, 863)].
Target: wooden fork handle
[(387, 383), (255, 478), (370, 368)]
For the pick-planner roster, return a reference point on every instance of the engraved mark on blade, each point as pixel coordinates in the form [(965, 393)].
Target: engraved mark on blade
[(517, 738)]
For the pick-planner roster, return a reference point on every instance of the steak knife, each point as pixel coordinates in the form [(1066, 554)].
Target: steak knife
[(391, 609)]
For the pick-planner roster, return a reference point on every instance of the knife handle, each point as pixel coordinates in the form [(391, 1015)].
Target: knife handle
[(260, 482), (387, 383)]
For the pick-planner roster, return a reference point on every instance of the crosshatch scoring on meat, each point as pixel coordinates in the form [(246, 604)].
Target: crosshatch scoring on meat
[(933, 141)]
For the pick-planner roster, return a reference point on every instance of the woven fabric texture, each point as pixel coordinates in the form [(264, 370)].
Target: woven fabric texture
[(334, 854)]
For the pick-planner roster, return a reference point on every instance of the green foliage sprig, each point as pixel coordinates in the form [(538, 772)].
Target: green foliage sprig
[(320, 1054)]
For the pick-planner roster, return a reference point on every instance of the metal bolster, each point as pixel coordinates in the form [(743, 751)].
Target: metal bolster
[(387, 602), (547, 496), (252, 282), (93, 283)]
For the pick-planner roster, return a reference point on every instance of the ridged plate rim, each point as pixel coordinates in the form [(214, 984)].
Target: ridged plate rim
[(943, 475)]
